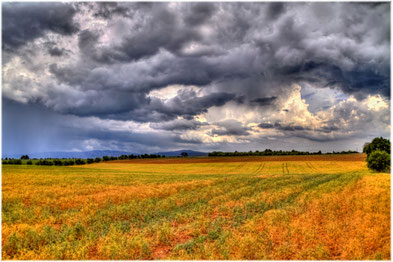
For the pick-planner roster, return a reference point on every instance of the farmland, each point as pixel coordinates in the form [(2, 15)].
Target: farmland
[(287, 207)]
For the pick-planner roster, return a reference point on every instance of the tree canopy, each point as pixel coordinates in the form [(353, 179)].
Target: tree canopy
[(378, 143), (378, 154)]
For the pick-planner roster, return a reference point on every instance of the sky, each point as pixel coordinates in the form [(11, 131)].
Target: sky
[(149, 77)]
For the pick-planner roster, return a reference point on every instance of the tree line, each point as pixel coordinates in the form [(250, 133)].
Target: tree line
[(378, 154), (71, 162), (269, 152)]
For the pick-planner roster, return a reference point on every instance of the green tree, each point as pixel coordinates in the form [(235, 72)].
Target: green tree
[(379, 161), (80, 162), (57, 162), (378, 143)]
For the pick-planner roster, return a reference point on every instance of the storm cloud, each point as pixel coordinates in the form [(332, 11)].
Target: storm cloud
[(178, 125), (204, 72), (23, 23), (230, 128)]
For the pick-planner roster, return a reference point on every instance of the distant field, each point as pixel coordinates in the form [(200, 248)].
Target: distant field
[(286, 207)]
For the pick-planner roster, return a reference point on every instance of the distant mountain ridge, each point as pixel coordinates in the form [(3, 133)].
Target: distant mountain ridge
[(178, 153), (100, 153)]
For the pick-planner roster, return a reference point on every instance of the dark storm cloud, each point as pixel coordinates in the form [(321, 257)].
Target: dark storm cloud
[(69, 75), (199, 13), (108, 9), (105, 104), (24, 22), (278, 126), (264, 101), (274, 10), (283, 127), (327, 128), (230, 127), (266, 125), (162, 28), (327, 47), (178, 125), (161, 111), (144, 75), (45, 131), (87, 41), (146, 138), (252, 49), (55, 51), (107, 97), (359, 82), (187, 103)]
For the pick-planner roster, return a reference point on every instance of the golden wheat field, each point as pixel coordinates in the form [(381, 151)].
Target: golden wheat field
[(297, 207)]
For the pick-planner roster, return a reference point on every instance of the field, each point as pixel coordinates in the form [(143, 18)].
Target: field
[(288, 207)]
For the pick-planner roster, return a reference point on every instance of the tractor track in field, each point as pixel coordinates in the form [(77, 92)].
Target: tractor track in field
[(262, 168), (162, 251), (309, 165), (285, 169), (237, 167), (259, 169)]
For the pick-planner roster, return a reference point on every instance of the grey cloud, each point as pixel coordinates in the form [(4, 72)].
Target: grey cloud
[(266, 125), (187, 103), (225, 132), (143, 76), (70, 75), (55, 51), (271, 62), (87, 41), (134, 79), (199, 13), (290, 127), (264, 101), (100, 93), (327, 128), (24, 22), (283, 127), (249, 53), (274, 10), (108, 9), (319, 138), (146, 138), (230, 128), (300, 50), (178, 125), (348, 119), (162, 28), (45, 131)]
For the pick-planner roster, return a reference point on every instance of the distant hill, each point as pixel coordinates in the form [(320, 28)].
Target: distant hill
[(178, 153), (101, 153)]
